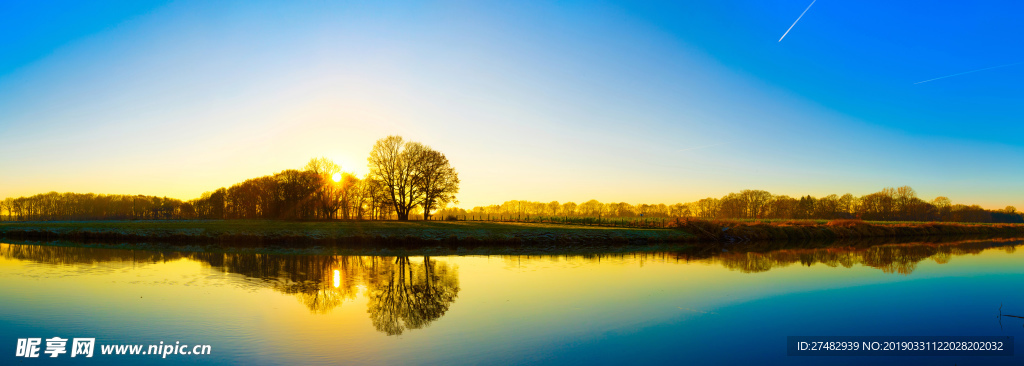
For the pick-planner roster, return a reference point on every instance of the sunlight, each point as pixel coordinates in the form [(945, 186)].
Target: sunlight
[(336, 177), (337, 276)]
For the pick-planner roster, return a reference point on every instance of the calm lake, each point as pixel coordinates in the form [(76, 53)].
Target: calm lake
[(730, 308)]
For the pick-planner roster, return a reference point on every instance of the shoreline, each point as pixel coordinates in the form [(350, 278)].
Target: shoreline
[(693, 250), (354, 234), (731, 231), (482, 237)]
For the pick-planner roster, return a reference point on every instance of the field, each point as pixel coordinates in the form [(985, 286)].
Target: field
[(472, 234), (765, 230), (386, 233)]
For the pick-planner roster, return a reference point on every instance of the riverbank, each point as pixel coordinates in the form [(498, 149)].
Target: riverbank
[(379, 234), (471, 234), (729, 231)]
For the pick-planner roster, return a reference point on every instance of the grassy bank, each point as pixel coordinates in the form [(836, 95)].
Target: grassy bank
[(797, 230), (347, 233), (394, 234)]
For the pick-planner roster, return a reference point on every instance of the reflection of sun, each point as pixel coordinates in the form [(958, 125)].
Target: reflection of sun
[(337, 278), (336, 177)]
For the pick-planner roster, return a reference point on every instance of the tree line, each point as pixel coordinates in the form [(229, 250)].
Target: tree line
[(404, 177), (889, 204)]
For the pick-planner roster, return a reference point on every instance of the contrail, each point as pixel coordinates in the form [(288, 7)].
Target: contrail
[(700, 147), (968, 72), (797, 20)]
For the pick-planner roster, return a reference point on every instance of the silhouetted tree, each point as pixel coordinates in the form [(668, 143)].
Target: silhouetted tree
[(436, 179), (393, 163), (412, 174), (326, 192)]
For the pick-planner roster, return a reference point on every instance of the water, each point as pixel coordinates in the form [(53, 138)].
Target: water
[(729, 308)]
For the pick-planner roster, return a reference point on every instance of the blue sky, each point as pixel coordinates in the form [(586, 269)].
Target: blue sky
[(616, 101)]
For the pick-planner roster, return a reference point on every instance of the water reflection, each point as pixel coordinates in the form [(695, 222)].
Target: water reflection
[(404, 293), (892, 258)]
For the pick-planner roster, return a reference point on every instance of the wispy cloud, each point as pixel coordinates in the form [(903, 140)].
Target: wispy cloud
[(968, 72), (700, 147), (797, 20)]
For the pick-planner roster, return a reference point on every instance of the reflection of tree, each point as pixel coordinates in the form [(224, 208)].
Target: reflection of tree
[(321, 301), (410, 296), (402, 294), (308, 277), (750, 262), (900, 259)]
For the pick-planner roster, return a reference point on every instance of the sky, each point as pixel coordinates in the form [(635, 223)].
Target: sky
[(642, 102)]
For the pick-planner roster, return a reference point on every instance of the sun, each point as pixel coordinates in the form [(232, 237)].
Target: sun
[(336, 177)]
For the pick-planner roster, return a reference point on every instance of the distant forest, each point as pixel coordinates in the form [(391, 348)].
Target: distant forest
[(408, 178), (889, 204)]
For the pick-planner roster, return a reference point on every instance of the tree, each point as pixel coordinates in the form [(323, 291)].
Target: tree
[(944, 207), (827, 207), (412, 174), (679, 210), (6, 205), (350, 196), (805, 207), (569, 209), (552, 208), (590, 208), (732, 206), (379, 196), (707, 208), (846, 203), (757, 203), (393, 162), (437, 180), (782, 207), (327, 193), (903, 198)]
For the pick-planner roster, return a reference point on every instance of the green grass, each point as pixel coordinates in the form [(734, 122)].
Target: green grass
[(426, 230), (451, 234), (825, 221)]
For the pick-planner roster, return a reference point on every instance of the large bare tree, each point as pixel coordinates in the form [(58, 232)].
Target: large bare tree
[(412, 174), (393, 162), (437, 180)]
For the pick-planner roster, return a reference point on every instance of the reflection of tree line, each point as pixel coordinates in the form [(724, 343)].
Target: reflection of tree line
[(402, 294), (889, 204), (892, 258), (58, 255), (760, 257)]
